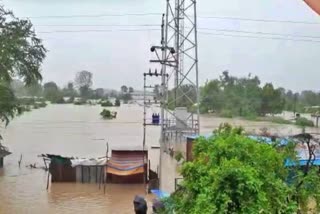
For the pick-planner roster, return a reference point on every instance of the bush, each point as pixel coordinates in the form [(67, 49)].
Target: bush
[(106, 114), (26, 101), (178, 156), (232, 173), (25, 108), (41, 104), (106, 103), (226, 113), (302, 121)]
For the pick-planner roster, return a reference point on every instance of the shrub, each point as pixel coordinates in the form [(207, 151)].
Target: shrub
[(226, 113), (178, 156), (302, 121), (105, 114), (106, 103), (232, 173)]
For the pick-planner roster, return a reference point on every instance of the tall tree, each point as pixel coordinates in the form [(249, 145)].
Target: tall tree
[(51, 92), (131, 90), (99, 93), (21, 55), (83, 81), (272, 101), (124, 89), (69, 91)]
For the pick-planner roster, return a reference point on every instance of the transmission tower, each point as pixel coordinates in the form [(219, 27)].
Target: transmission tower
[(178, 56), (179, 95)]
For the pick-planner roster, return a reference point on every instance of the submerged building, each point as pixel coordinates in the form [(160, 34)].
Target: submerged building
[(3, 152)]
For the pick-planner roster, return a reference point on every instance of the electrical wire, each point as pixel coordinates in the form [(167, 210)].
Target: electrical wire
[(91, 16), (260, 37), (158, 14), (96, 31), (259, 20), (201, 32), (97, 25), (261, 33)]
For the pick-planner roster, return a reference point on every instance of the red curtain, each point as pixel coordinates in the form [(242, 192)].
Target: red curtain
[(314, 4)]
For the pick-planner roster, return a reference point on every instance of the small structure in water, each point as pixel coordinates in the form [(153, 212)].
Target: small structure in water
[(127, 166), (3, 152), (83, 170)]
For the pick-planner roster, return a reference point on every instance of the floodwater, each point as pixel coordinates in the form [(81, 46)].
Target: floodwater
[(79, 131)]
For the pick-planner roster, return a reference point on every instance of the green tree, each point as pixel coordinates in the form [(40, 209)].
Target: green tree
[(211, 97), (34, 90), (99, 93), (131, 90), (124, 89), (52, 92), (117, 102), (21, 54), (69, 91), (126, 97), (83, 81), (184, 96), (232, 173), (272, 101)]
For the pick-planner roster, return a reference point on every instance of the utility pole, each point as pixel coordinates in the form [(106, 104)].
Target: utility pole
[(180, 61), (178, 57)]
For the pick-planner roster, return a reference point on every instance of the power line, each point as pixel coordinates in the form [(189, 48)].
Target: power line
[(260, 37), (158, 14), (91, 16), (261, 33), (97, 25), (259, 20), (222, 30), (96, 31)]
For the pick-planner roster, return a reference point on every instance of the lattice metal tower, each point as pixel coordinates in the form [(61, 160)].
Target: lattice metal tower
[(179, 80)]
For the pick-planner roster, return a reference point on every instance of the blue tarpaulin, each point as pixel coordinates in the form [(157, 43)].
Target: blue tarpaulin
[(160, 194)]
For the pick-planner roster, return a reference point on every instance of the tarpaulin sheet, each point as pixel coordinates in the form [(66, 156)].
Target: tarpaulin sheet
[(126, 164), (88, 162), (160, 194), (125, 172)]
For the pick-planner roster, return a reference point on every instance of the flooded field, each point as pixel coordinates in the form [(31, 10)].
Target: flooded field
[(79, 131)]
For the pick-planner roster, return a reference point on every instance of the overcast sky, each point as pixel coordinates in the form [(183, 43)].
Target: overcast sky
[(120, 57)]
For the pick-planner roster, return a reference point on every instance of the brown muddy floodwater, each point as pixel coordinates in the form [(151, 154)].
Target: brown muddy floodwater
[(79, 131)]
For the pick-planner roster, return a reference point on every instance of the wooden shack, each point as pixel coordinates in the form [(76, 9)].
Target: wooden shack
[(82, 170)]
